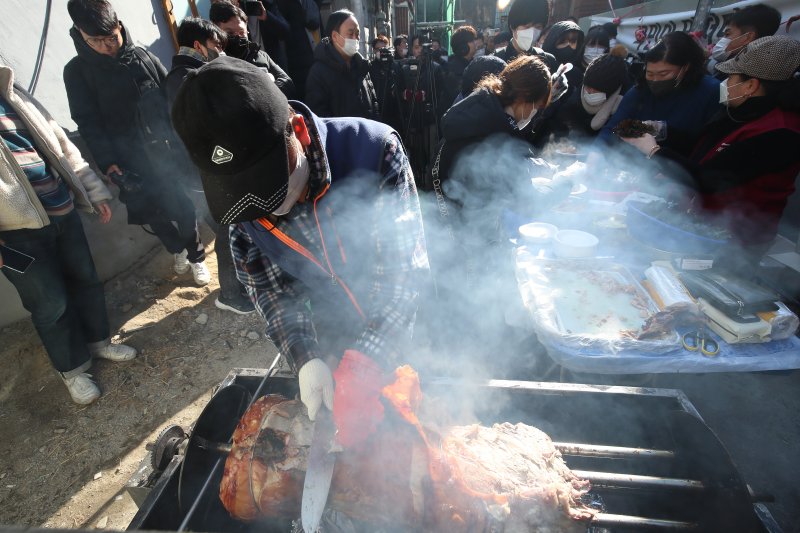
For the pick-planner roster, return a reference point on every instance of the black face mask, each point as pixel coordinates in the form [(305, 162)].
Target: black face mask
[(237, 47), (565, 55), (664, 87)]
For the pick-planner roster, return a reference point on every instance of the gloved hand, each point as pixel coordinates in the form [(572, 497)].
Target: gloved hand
[(645, 144), (559, 82), (316, 386), (357, 408)]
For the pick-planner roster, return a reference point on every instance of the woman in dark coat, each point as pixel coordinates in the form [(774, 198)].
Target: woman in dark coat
[(339, 83)]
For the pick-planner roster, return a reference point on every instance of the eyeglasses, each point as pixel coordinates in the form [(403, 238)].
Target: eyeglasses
[(110, 41)]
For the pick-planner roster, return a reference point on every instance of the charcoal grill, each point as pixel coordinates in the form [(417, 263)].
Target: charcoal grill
[(654, 465)]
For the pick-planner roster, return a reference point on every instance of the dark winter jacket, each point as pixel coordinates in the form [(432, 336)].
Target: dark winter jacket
[(566, 54), (336, 89), (509, 53), (299, 51), (103, 93), (274, 33), (454, 70), (181, 65)]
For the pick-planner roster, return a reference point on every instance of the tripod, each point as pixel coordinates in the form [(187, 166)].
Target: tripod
[(421, 122)]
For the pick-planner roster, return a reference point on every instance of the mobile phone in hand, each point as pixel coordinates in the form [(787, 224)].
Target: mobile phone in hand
[(252, 8), (15, 260)]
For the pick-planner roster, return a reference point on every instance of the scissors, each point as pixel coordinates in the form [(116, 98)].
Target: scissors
[(697, 340)]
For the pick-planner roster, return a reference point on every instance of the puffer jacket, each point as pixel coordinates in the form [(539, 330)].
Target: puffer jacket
[(20, 208), (336, 89), (103, 94)]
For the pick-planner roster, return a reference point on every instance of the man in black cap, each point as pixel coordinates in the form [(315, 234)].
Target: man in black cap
[(327, 233)]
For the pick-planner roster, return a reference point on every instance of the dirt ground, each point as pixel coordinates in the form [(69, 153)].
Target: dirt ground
[(64, 465)]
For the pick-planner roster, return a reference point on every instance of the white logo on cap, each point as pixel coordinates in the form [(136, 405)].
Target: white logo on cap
[(221, 155)]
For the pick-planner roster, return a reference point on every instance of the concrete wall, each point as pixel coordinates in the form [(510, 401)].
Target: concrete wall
[(115, 245)]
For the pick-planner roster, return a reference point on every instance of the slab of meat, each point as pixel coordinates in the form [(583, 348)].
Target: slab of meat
[(508, 477)]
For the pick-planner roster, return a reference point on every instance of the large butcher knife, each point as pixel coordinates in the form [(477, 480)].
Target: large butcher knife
[(319, 472)]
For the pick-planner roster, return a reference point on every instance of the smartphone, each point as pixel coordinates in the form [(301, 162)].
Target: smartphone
[(251, 8), (15, 260)]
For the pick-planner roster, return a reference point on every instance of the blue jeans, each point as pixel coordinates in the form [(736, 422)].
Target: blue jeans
[(61, 290)]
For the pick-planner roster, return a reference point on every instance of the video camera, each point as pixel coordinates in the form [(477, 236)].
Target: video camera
[(385, 56)]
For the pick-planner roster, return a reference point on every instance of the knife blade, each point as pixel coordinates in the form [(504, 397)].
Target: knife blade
[(319, 473)]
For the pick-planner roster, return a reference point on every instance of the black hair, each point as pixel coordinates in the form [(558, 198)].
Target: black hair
[(461, 38), (611, 29), (94, 17), (761, 19), (528, 12), (680, 49), (221, 12), (598, 34), (197, 29), (335, 21)]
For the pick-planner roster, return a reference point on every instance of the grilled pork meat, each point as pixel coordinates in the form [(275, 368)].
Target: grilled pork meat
[(508, 477)]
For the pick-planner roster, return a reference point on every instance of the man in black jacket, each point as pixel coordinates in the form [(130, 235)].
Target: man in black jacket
[(526, 20), (233, 21), (200, 41), (339, 83), (463, 44), (115, 97)]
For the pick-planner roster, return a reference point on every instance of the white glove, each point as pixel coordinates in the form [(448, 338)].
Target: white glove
[(645, 144), (559, 82), (316, 386)]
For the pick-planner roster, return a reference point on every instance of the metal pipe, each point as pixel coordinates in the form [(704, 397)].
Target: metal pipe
[(638, 523), (616, 452), (611, 480)]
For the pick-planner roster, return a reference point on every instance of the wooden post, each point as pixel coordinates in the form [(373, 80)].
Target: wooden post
[(193, 7), (171, 23)]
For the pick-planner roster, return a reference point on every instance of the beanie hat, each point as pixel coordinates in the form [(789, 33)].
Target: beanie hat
[(477, 69), (606, 73)]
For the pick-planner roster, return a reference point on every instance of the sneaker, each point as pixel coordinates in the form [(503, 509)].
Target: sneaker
[(240, 306), (82, 389), (200, 272), (181, 263), (115, 352)]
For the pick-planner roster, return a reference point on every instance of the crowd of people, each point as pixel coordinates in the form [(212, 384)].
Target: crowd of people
[(315, 167)]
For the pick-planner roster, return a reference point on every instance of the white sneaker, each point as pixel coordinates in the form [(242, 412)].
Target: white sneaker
[(181, 263), (200, 272), (115, 352), (82, 389)]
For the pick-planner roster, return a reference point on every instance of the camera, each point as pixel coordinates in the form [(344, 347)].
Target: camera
[(127, 181), (385, 56), (251, 8)]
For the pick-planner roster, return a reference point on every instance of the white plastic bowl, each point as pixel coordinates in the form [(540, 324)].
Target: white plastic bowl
[(537, 232), (573, 244)]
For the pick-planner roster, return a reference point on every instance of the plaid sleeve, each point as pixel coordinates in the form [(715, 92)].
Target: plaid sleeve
[(278, 297), (402, 262)]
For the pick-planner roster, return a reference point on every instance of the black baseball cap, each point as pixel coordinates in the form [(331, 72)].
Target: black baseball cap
[(232, 118)]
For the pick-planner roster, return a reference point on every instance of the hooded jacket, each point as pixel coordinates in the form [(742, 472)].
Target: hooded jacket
[(574, 76), (103, 93), (20, 207), (336, 89)]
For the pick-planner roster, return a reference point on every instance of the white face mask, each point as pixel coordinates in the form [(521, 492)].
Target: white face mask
[(593, 99), (591, 53), (350, 47), (526, 38), (521, 123), (723, 92), (298, 180), (719, 52)]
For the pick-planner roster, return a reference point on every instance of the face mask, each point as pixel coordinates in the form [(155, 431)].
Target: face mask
[(664, 87), (237, 46), (590, 53), (565, 55), (593, 99), (298, 180), (350, 47), (719, 52), (212, 54), (522, 123), (402, 52), (526, 38), (723, 92)]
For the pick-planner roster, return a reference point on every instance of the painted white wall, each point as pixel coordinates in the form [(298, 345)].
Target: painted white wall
[(115, 246)]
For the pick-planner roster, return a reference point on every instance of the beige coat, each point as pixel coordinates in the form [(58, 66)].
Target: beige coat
[(20, 208)]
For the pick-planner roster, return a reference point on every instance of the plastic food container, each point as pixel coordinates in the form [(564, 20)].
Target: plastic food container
[(574, 244), (666, 237), (537, 232)]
